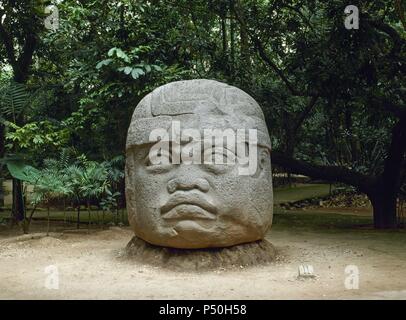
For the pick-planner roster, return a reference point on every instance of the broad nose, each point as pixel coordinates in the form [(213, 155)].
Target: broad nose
[(188, 183)]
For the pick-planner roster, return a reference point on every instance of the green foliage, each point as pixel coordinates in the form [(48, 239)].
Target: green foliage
[(87, 77), (20, 170), (14, 99), (80, 179), (71, 177), (49, 186), (35, 136), (110, 201), (128, 64)]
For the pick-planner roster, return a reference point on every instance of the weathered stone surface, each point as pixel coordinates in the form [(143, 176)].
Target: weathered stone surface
[(240, 256), (197, 205)]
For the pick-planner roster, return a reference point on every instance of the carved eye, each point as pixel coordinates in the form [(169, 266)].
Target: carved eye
[(160, 158), (211, 155)]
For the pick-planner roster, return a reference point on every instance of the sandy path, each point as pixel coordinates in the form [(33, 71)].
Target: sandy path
[(89, 269)]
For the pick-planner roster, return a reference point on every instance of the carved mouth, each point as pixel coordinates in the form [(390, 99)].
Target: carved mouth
[(192, 206)]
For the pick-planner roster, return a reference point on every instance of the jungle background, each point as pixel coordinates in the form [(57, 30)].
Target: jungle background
[(71, 75), (334, 102)]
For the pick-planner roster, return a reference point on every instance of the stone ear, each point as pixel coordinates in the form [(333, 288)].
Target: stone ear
[(264, 162)]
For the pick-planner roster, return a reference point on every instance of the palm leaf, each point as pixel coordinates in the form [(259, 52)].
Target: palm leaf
[(14, 98)]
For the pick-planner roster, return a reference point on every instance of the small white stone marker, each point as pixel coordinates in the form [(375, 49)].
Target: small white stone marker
[(306, 271)]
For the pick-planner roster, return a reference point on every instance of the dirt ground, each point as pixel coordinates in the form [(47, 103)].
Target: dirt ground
[(89, 268)]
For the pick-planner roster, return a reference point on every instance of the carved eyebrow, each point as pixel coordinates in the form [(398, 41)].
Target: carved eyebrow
[(213, 146), (142, 146)]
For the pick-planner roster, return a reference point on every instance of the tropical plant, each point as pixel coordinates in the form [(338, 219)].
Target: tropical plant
[(14, 99), (110, 203), (48, 186), (89, 181), (94, 183)]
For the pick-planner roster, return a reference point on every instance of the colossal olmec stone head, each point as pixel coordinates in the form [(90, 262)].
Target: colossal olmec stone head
[(183, 203)]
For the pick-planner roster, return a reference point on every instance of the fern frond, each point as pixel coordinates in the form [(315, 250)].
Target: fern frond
[(14, 98)]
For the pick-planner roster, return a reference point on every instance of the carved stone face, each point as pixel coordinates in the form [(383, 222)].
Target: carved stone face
[(191, 205)]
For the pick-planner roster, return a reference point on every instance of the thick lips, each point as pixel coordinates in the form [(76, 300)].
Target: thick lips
[(189, 205)]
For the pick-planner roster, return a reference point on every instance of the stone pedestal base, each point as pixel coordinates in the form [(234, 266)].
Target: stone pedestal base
[(243, 255)]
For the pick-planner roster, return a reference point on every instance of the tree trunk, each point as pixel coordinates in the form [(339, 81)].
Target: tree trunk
[(2, 137), (64, 212), (48, 220), (78, 219), (232, 39), (384, 208), (289, 151), (1, 193), (20, 59), (224, 36), (2, 131), (28, 221), (88, 212), (18, 201), (244, 45), (388, 185)]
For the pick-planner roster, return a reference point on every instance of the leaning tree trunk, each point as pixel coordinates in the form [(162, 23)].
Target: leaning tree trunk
[(29, 220)]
